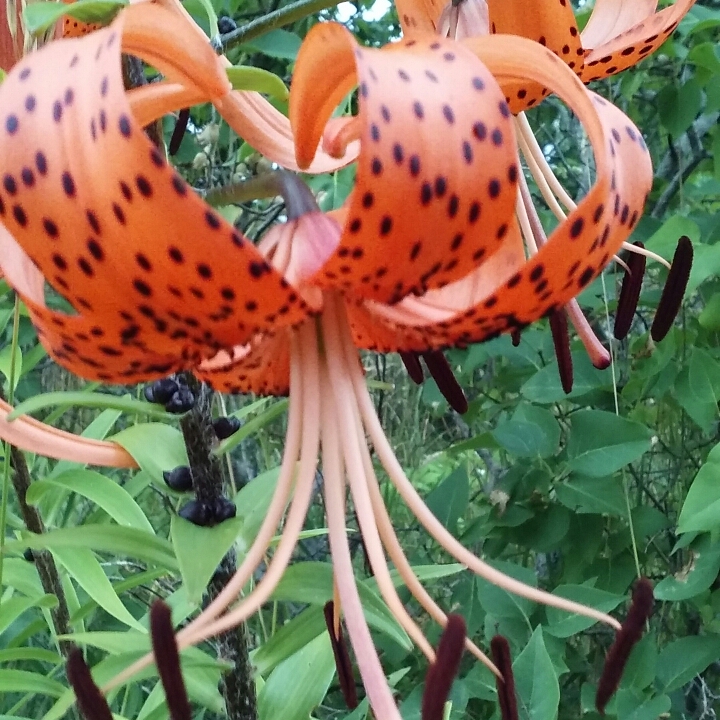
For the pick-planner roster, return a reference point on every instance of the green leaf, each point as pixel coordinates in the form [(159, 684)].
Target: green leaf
[(79, 398), (6, 364), (32, 654), (695, 579), (532, 432), (82, 565), (101, 490), (252, 503), (96, 430), (299, 684), (112, 539), (258, 80), (590, 495), (499, 602), (290, 638), (544, 386), (631, 705), (678, 107), (154, 447), (701, 509), (115, 643), (199, 550), (39, 16), (535, 681), (12, 608), (312, 583), (562, 624), (681, 660), (279, 44), (698, 388), (22, 681), (641, 666), (601, 442), (448, 501)]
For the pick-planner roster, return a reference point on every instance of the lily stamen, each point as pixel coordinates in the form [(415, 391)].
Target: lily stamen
[(626, 638), (507, 699), (343, 663), (629, 294), (442, 672)]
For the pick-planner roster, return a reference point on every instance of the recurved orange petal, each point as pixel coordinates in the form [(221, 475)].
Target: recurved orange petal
[(115, 230), (618, 53), (610, 18), (549, 22), (513, 293), (437, 173)]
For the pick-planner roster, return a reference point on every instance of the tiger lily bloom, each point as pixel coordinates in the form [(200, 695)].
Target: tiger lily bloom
[(618, 34), (426, 254)]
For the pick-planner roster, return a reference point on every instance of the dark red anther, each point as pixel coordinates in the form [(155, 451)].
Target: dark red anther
[(167, 659), (179, 131), (629, 293), (411, 361), (561, 341), (90, 700), (507, 699), (346, 677), (442, 374), (675, 286), (442, 672), (515, 337), (625, 639)]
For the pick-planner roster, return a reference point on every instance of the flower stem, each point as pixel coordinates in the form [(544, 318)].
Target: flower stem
[(276, 19)]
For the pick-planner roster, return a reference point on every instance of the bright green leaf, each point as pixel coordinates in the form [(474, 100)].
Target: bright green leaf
[(199, 551), (299, 684), (591, 495), (88, 573), (154, 447), (39, 16), (601, 442), (101, 490), (562, 624), (535, 681), (258, 80), (683, 659)]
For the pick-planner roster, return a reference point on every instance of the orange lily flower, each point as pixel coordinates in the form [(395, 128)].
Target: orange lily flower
[(618, 34), (427, 254)]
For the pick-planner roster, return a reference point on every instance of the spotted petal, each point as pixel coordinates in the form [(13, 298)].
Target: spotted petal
[(610, 18), (622, 51), (549, 22), (508, 292), (157, 279), (437, 174)]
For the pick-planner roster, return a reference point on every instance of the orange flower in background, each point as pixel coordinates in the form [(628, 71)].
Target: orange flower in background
[(618, 34), (426, 254)]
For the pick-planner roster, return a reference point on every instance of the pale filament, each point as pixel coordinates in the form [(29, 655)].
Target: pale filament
[(425, 516), (551, 188), (330, 404), (599, 355)]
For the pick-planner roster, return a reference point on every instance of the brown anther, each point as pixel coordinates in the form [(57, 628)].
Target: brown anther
[(411, 361), (561, 341), (442, 672), (167, 659), (515, 337), (90, 700), (442, 373), (629, 293), (625, 639), (179, 131), (346, 677), (507, 699), (675, 286)]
